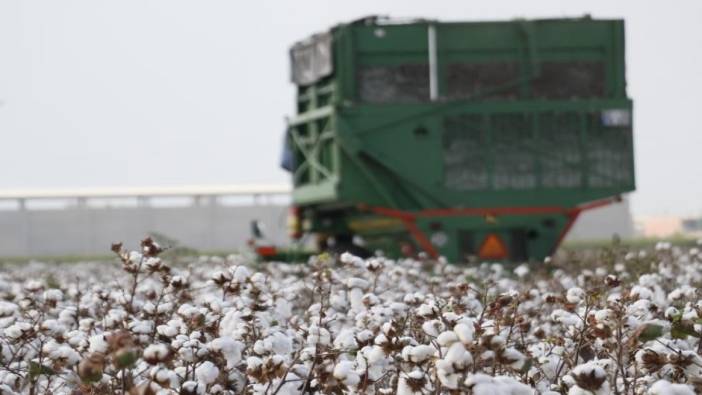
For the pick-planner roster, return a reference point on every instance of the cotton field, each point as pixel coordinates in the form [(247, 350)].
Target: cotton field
[(613, 322)]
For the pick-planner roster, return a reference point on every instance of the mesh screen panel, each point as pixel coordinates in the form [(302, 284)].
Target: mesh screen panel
[(547, 150), (560, 159), (566, 80), (465, 80), (609, 154), (514, 162), (465, 154), (403, 83)]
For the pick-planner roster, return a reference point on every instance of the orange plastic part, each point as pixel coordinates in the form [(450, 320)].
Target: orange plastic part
[(493, 248), (266, 250)]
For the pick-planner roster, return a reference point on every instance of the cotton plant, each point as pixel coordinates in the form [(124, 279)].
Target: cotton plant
[(623, 321)]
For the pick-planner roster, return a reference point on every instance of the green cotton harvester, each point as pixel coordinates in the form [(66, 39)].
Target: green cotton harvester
[(457, 139)]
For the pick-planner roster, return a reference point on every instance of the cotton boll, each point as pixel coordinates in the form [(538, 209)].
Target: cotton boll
[(229, 348), (374, 264), (513, 358), (165, 377), (381, 339), (450, 318), (259, 348), (565, 318), (33, 286), (77, 339), (663, 387), (575, 295), (65, 355), (170, 329), (351, 259), (53, 295), (604, 316), (364, 336), (589, 377), (464, 333), (692, 363), (53, 327), (344, 371), (7, 309), (370, 299), (253, 363), (376, 355), (17, 330), (10, 379), (371, 359), (663, 246), (495, 342), (355, 282), (418, 354), (345, 339), (458, 356), (279, 343), (190, 350), (258, 279), (144, 327), (640, 292), (98, 343), (447, 338), (690, 314), (412, 383), (355, 296), (521, 270), (482, 384), (232, 323), (283, 308), (240, 273), (206, 372), (433, 327), (134, 257), (388, 329), (317, 335), (193, 388), (427, 310), (403, 388), (68, 315), (413, 298), (446, 374), (671, 312), (398, 308), (148, 308), (219, 277)]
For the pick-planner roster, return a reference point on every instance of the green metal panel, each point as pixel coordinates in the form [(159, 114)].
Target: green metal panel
[(527, 114)]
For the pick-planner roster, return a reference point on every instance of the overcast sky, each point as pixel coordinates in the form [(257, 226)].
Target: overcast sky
[(168, 92)]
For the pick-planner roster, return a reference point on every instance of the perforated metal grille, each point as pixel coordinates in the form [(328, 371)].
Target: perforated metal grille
[(609, 154), (403, 83), (566, 80), (560, 158), (465, 154), (514, 162), (489, 80), (512, 151)]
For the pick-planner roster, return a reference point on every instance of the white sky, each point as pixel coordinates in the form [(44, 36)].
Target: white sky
[(167, 92)]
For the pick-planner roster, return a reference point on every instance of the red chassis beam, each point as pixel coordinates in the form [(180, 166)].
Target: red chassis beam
[(409, 218)]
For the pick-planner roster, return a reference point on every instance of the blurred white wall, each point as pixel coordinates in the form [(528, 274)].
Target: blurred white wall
[(603, 223)]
